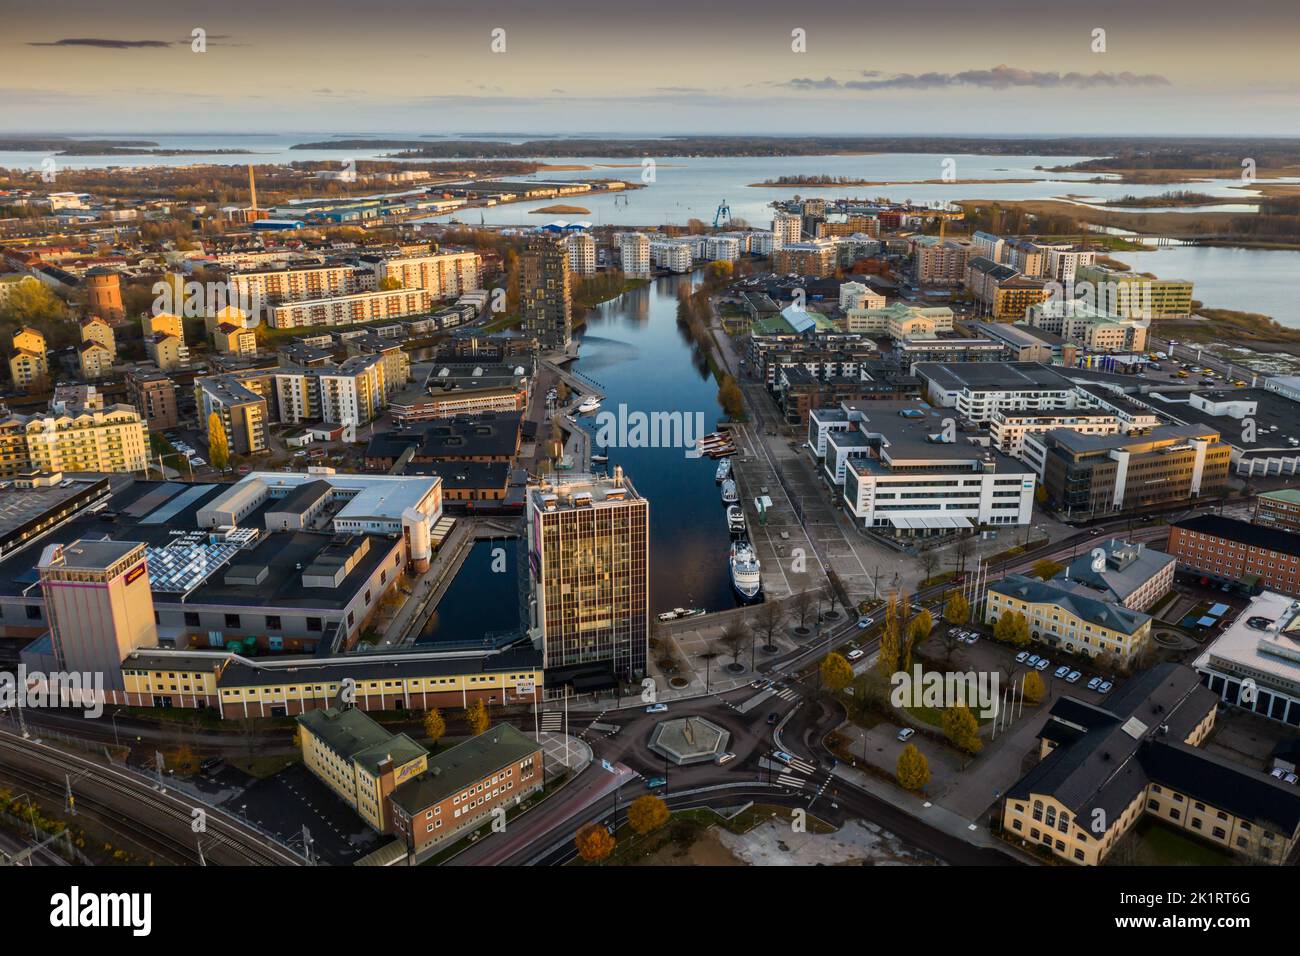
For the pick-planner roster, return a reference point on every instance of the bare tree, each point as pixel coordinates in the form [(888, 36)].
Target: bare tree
[(802, 603), (965, 548), (733, 639), (929, 563), (767, 621)]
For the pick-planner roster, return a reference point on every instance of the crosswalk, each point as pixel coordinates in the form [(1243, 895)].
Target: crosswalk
[(789, 780), (803, 766), (552, 721), (788, 694)]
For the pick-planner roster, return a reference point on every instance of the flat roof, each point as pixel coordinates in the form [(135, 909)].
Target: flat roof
[(464, 764), (992, 376), (1272, 649)]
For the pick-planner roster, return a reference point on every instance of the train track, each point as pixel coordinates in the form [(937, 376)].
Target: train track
[(162, 815)]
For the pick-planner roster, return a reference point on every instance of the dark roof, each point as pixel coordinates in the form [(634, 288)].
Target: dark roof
[(462, 765), (1243, 532), (311, 670), (302, 497), (1221, 783)]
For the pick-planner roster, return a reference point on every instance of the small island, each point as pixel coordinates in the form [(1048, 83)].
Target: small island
[(561, 210)]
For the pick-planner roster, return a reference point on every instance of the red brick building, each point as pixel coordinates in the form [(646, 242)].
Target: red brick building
[(1225, 550)]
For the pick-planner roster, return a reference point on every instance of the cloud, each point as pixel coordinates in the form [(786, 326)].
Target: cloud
[(998, 78), (104, 43)]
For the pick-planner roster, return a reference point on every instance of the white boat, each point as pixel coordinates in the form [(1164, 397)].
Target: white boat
[(745, 570), (600, 459), (720, 451), (735, 519), (588, 406), (724, 470), (729, 492), (678, 613), (714, 438)]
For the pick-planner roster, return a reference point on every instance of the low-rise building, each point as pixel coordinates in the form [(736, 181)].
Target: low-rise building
[(1122, 572), (1255, 662), (1278, 509), (1066, 617), (1229, 551)]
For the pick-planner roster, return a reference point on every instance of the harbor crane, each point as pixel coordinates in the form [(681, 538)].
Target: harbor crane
[(722, 215)]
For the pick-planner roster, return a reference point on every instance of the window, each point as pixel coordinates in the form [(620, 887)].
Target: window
[(313, 624), (33, 612), (273, 622), (232, 620), (191, 618)]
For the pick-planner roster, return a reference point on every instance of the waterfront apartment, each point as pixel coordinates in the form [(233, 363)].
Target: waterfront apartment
[(589, 556), (545, 290), (1102, 767), (1229, 551), (1068, 616), (634, 253), (1133, 295), (1255, 662), (582, 253)]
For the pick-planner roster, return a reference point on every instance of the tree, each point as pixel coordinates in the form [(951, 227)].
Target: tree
[(594, 842), (912, 770), (767, 621), (929, 564), (834, 588), (802, 602), (730, 398), (836, 672), (476, 715), (390, 284), (1046, 569), (964, 548), (917, 632), (1013, 628), (32, 303), (647, 813), (891, 643), (434, 725), (218, 445), (1033, 688), (962, 729), (733, 639), (957, 609)]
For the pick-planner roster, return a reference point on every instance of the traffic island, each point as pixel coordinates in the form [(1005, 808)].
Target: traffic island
[(689, 740)]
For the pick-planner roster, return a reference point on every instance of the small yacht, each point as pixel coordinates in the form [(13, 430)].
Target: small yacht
[(735, 519), (713, 438), (678, 613), (589, 405), (724, 471), (720, 451), (600, 459), (729, 492), (745, 570)]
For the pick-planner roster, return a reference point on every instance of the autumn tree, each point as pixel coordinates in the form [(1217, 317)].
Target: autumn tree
[(917, 632), (730, 398), (476, 715), (594, 842), (1033, 688), (647, 813), (957, 609), (962, 729), (434, 725), (912, 770), (891, 642), (218, 444), (1046, 569), (836, 672), (1013, 628)]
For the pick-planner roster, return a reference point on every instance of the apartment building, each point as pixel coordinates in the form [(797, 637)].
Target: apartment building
[(271, 286), (94, 360), (234, 340), (351, 309), (589, 558), (634, 253), (817, 257), (899, 321), (112, 439), (1025, 256), (1133, 295), (1002, 291), (582, 253), (787, 229), (1078, 321), (939, 262), (1102, 474), (95, 329), (722, 248), (28, 364), (1103, 767), (905, 470), (546, 291), (987, 246), (1064, 616), (244, 413), (154, 396), (1229, 551), (444, 275), (1278, 509), (673, 255)]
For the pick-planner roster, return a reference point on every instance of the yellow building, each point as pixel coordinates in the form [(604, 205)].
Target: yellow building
[(13, 448), (235, 340), (96, 361), (28, 369), (28, 339), (1012, 297), (1062, 618), (95, 329), (111, 440), (167, 351), (1102, 766)]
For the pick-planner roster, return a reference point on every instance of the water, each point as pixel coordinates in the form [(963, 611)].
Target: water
[(479, 599), (633, 347)]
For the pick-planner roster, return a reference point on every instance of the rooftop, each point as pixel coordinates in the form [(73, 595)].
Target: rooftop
[(466, 763)]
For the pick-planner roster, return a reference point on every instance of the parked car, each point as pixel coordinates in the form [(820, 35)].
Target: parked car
[(972, 637), (1073, 677), (657, 709), (1277, 772), (857, 654), (1033, 660), (1062, 671), (1291, 778), (906, 733), (1104, 687), (1094, 683), (1022, 657), (772, 718), (1043, 664), (720, 759)]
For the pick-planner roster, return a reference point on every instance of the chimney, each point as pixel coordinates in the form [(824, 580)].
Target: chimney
[(618, 476)]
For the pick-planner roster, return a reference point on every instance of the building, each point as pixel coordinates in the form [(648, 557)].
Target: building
[(235, 340), (545, 290), (977, 390), (154, 396), (634, 253), (1026, 344), (1078, 321), (1255, 662), (1003, 292), (787, 229), (113, 439), (1122, 572), (94, 360), (904, 470), (900, 321), (104, 293), (815, 257), (859, 295), (243, 412), (98, 604), (352, 309), (35, 502), (1103, 767), (582, 253), (1069, 617), (1133, 295), (164, 340), (28, 365), (272, 286), (1102, 474), (95, 329), (465, 786), (1229, 551), (939, 262), (589, 557), (351, 393), (444, 275), (1278, 509)]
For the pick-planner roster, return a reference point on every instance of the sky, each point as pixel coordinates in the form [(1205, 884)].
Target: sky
[(1201, 67)]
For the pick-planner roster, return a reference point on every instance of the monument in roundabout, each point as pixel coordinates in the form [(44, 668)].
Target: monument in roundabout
[(689, 740)]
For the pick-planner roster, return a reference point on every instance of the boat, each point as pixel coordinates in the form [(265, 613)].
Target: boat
[(735, 519), (745, 570), (713, 438), (724, 470), (678, 613), (729, 491), (722, 451), (600, 459), (588, 406)]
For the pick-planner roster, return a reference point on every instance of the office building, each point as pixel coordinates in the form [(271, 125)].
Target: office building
[(1132, 295), (1255, 662), (589, 556), (1078, 321), (1278, 509), (859, 295), (1230, 551), (1066, 616), (545, 291)]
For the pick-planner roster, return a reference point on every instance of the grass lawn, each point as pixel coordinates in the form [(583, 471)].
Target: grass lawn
[(262, 767), (1152, 843)]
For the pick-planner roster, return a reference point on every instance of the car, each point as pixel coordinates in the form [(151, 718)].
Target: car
[(656, 782), (1062, 671), (1094, 683), (1291, 778), (1073, 677), (772, 718), (720, 759), (1022, 657), (917, 608), (1277, 772), (1043, 664), (196, 460), (864, 623), (906, 733), (972, 637), (857, 654), (1094, 532), (657, 709), (212, 765), (756, 684), (1033, 660), (1104, 687), (782, 756)]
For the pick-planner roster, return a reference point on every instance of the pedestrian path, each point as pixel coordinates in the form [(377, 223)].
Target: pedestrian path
[(552, 721)]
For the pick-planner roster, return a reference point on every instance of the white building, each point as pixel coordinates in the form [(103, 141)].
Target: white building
[(1255, 663), (859, 295), (724, 248), (634, 253), (582, 253), (787, 228)]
